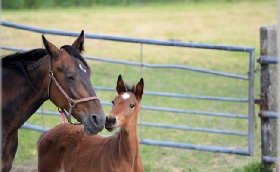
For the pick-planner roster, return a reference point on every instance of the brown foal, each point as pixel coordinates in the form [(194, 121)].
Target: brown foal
[(67, 148)]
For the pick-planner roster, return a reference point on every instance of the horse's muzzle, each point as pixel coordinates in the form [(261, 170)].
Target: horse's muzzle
[(93, 124)]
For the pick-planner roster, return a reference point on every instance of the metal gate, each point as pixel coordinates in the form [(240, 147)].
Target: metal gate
[(249, 100)]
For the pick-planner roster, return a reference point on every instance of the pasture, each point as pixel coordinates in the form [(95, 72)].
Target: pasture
[(213, 23)]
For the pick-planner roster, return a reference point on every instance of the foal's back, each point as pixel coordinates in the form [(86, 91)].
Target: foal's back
[(67, 148)]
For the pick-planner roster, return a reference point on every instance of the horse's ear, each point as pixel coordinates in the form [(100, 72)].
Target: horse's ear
[(79, 42), (51, 49), (120, 85), (139, 89)]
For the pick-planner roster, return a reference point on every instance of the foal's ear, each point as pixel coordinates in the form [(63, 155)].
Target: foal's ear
[(139, 88), (120, 85), (79, 43), (51, 49)]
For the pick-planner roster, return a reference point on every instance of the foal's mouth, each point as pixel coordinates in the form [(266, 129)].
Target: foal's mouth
[(110, 123), (109, 126), (110, 129)]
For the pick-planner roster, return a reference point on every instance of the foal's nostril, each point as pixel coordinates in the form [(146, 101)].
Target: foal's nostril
[(111, 120)]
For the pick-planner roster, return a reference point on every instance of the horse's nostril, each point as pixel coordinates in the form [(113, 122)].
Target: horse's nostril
[(94, 119)]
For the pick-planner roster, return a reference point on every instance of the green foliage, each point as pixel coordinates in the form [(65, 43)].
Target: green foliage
[(39, 4), (252, 167), (13, 4), (24, 4)]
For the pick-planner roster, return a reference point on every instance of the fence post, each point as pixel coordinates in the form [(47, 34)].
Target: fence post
[(269, 84)]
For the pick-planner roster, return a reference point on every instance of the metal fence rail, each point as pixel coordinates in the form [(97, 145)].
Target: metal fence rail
[(127, 39), (163, 143), (159, 125), (249, 78)]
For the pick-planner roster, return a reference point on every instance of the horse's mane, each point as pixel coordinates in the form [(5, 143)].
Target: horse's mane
[(15, 60), (72, 51), (18, 59)]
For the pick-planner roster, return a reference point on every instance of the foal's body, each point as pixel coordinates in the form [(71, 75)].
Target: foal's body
[(67, 148)]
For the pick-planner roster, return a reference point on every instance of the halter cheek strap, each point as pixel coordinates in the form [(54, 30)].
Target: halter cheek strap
[(72, 102)]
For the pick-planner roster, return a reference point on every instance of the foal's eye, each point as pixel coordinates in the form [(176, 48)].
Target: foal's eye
[(131, 105), (70, 78), (113, 102)]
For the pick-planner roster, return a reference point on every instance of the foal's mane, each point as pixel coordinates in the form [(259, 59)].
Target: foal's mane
[(18, 59), (129, 88)]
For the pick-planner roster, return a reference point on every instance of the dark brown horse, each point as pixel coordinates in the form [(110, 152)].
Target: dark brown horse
[(66, 148), (30, 78)]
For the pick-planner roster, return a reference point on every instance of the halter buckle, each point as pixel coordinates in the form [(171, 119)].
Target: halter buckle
[(50, 73), (71, 103)]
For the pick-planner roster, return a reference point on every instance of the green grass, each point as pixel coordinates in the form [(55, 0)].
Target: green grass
[(213, 23), (252, 167)]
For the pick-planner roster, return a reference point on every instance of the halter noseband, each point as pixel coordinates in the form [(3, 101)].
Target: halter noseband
[(72, 102)]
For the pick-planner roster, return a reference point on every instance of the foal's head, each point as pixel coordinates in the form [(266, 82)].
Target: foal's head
[(72, 73), (126, 105)]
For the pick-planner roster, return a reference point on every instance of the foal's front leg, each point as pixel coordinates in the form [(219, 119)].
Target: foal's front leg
[(9, 150), (138, 166)]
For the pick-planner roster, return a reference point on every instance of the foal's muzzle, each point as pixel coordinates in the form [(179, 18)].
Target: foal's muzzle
[(110, 123)]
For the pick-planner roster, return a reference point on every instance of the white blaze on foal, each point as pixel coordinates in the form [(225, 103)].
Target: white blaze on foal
[(81, 67), (125, 96)]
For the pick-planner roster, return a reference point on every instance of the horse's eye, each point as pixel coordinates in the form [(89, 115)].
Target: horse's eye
[(131, 105), (113, 102), (70, 78)]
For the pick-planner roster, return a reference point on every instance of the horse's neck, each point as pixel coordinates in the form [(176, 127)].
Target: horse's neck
[(128, 141), (38, 72), (20, 99)]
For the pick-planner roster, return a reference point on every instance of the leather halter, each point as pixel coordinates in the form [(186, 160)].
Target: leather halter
[(72, 102)]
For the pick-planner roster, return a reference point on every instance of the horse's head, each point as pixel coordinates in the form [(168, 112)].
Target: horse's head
[(70, 87), (126, 105)]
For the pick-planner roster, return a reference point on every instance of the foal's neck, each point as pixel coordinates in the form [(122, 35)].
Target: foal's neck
[(128, 141)]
